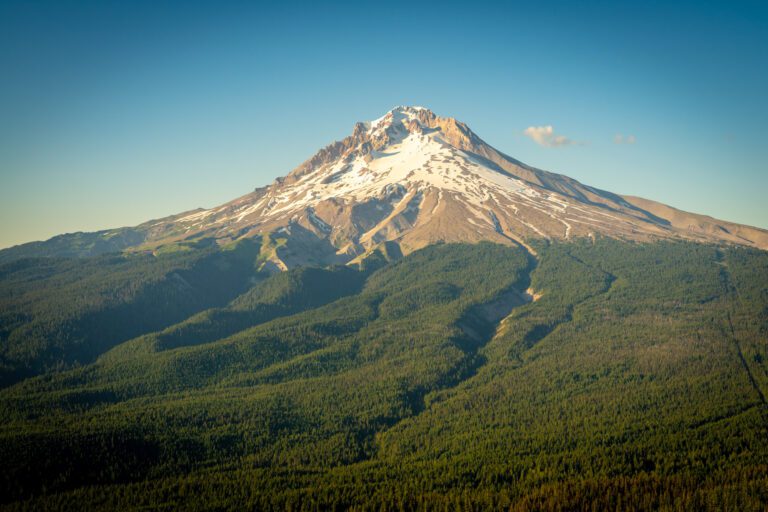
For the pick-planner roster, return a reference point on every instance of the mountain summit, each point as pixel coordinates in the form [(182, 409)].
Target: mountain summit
[(414, 178)]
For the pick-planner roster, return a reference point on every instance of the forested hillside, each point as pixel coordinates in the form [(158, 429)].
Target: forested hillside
[(57, 313), (636, 381)]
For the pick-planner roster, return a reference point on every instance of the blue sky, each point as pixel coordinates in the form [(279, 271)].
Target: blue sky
[(113, 113)]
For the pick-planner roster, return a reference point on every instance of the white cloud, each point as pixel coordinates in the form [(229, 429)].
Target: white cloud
[(546, 136), (620, 139)]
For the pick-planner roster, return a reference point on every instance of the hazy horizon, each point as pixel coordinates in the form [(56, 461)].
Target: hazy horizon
[(114, 114)]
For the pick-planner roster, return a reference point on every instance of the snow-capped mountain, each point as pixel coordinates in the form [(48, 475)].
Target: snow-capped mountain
[(413, 178)]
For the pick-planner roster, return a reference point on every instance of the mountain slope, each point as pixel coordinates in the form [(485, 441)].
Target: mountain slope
[(414, 178), (58, 313), (635, 382)]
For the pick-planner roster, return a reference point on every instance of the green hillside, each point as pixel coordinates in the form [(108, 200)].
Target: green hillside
[(636, 381), (57, 313)]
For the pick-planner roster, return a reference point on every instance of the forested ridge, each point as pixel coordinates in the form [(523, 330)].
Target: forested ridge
[(57, 313), (636, 381)]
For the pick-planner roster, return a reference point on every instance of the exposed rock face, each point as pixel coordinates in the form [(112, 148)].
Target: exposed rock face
[(413, 178)]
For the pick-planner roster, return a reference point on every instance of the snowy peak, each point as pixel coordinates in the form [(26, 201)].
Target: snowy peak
[(370, 138), (402, 115), (413, 178)]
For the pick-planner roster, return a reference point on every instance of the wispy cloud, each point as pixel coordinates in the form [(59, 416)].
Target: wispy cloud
[(546, 136), (620, 139)]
